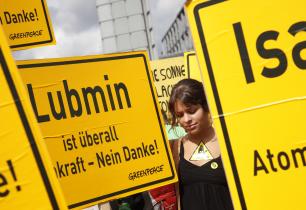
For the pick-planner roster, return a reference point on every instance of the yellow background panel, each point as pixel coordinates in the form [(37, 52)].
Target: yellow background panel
[(261, 117), (26, 175), (26, 24), (166, 73), (136, 126), (191, 63)]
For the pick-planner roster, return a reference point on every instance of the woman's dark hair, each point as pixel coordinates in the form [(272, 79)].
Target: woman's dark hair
[(189, 92)]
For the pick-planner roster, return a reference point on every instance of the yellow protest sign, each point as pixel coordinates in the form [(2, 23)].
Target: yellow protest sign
[(192, 66), (27, 180), (26, 23), (166, 73), (253, 59), (100, 120)]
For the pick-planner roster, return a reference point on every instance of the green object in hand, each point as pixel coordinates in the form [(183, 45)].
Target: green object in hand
[(124, 206)]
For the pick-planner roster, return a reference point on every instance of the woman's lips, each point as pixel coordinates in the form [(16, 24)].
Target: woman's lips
[(190, 127)]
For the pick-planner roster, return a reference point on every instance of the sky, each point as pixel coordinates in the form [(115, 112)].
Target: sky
[(76, 27)]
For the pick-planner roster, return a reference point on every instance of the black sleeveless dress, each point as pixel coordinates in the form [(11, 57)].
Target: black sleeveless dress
[(203, 187)]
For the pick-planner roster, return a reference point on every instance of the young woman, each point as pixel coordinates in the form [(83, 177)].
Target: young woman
[(202, 182)]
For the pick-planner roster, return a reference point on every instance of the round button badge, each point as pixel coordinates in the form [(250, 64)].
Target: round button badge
[(214, 165)]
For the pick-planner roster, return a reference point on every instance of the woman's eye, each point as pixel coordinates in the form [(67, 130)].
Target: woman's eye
[(179, 115), (191, 111)]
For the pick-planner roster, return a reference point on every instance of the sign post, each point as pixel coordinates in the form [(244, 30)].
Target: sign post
[(253, 59), (27, 180), (100, 120)]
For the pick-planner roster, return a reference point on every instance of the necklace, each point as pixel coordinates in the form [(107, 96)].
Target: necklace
[(201, 153)]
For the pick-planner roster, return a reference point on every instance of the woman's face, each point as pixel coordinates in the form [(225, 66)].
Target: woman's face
[(192, 118)]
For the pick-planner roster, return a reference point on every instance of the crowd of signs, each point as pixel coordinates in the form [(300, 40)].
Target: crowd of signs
[(65, 139)]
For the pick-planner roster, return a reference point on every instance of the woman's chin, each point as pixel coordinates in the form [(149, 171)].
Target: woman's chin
[(191, 131)]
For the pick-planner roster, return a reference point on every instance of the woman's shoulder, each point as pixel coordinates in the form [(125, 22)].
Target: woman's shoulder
[(184, 139), (180, 140), (176, 149)]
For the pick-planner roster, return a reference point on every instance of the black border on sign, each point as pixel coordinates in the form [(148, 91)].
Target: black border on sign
[(28, 131), (188, 61), (41, 42), (216, 96), (81, 203)]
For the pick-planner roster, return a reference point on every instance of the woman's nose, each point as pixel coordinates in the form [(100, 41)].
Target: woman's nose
[(186, 118)]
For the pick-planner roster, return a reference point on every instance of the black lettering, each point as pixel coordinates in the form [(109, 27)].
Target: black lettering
[(145, 150), (283, 158), (169, 73), (69, 94), (281, 164), (74, 101), (40, 118), (151, 149), (95, 138), (155, 75), (157, 93), (270, 157), (177, 71), (93, 93), (7, 17), (115, 133), (243, 51), (162, 73), (62, 113), (107, 137), (140, 152), (36, 14), (59, 170), (271, 53), (19, 17), (80, 161), (15, 18), (68, 143), (24, 17), (66, 168), (126, 153), (119, 87), (183, 72), (31, 16), (164, 91), (3, 182), (302, 155), (108, 159), (110, 95), (261, 166), (89, 139), (164, 106), (74, 169), (296, 51)]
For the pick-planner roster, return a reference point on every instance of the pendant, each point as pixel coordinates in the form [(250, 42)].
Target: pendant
[(201, 153)]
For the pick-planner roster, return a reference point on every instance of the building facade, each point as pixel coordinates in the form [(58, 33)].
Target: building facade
[(177, 39), (125, 25)]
